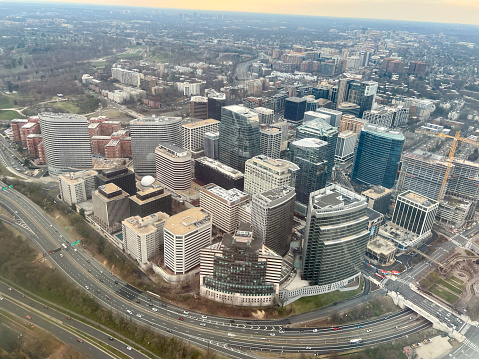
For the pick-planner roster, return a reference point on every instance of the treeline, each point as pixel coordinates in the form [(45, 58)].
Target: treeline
[(18, 264)]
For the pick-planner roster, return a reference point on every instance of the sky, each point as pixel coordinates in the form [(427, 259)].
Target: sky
[(448, 11)]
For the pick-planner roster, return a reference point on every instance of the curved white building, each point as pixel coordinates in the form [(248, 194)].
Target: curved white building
[(173, 167), (67, 142)]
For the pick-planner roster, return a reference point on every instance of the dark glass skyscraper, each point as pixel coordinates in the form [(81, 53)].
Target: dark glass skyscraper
[(310, 155), (377, 156), (320, 129), (294, 108), (239, 136), (336, 236)]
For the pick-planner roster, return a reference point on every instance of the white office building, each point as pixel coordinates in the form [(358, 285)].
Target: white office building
[(345, 146), (263, 173), (77, 187), (193, 133), (270, 141), (173, 167), (185, 234), (66, 141)]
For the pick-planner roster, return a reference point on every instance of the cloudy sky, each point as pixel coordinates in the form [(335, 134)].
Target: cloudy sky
[(451, 11)]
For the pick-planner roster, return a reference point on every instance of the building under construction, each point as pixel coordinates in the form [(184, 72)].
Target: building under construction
[(464, 180)]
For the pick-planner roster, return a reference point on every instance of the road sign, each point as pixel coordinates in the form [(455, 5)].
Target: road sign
[(75, 243)]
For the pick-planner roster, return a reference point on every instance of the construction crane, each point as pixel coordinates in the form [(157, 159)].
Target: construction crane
[(455, 140)]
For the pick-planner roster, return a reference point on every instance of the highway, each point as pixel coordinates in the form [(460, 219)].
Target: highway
[(241, 71), (229, 338)]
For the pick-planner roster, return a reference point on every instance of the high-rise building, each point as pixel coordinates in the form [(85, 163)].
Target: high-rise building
[(223, 205), (240, 270), (185, 234), (194, 133), (389, 117), (313, 115), (146, 133), (121, 176), (199, 107), (422, 173), (270, 141), (417, 67), (66, 141), (336, 236), (415, 213), (215, 102), (143, 237), (361, 93), (110, 206), (320, 129), (351, 123), (127, 77), (272, 217), (211, 143), (379, 198), (264, 173), (335, 115), (239, 136), (294, 108), (464, 180), (173, 167), (310, 155), (345, 146), (77, 187), (265, 115), (377, 156), (208, 170), (150, 198)]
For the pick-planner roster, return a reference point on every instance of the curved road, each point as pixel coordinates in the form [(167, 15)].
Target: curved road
[(230, 339)]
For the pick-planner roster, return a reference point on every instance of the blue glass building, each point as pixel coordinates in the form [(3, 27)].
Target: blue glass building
[(377, 156)]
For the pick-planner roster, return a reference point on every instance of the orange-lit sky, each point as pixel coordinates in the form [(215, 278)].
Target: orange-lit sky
[(452, 11)]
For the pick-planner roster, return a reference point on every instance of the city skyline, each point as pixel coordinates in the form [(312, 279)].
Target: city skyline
[(441, 11)]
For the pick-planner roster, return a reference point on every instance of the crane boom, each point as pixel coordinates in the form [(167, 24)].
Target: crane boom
[(456, 138)]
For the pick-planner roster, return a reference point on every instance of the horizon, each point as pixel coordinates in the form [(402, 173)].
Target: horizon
[(423, 11)]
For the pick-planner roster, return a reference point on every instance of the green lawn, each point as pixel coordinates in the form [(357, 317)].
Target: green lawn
[(307, 304), (444, 294), (99, 63), (8, 115), (68, 106), (450, 286), (456, 281)]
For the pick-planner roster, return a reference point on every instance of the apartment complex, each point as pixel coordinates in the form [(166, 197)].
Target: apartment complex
[(263, 173), (77, 187)]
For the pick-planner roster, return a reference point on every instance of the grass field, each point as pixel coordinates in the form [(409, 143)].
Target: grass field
[(444, 294), (68, 106), (456, 281), (8, 115), (307, 304), (450, 286), (99, 63)]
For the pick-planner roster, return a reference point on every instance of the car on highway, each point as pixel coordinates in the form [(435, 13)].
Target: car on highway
[(79, 340), (129, 311), (101, 280), (272, 334), (154, 309), (204, 316), (69, 318), (335, 328), (368, 330), (61, 255), (308, 348), (203, 324), (360, 326), (139, 315), (315, 330), (1, 298), (116, 282), (28, 317), (87, 287), (168, 330), (181, 318), (107, 297), (128, 348), (185, 312), (110, 338)]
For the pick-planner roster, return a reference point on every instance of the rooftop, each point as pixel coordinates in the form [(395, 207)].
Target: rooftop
[(276, 165), (172, 149), (276, 193), (154, 120), (417, 198), (335, 197), (376, 192), (230, 196), (220, 167), (145, 225), (383, 131), (188, 221), (196, 124), (310, 142)]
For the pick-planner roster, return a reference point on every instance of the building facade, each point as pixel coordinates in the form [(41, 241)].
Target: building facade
[(199, 107), (146, 133), (272, 217), (66, 141), (211, 145), (336, 236), (77, 187), (223, 205), (377, 157), (150, 198), (110, 206), (173, 167), (185, 234), (270, 141), (264, 173), (379, 198), (121, 176), (194, 133), (345, 146), (208, 170), (239, 136)]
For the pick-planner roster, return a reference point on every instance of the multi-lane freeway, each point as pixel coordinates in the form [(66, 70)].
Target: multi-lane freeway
[(233, 338)]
